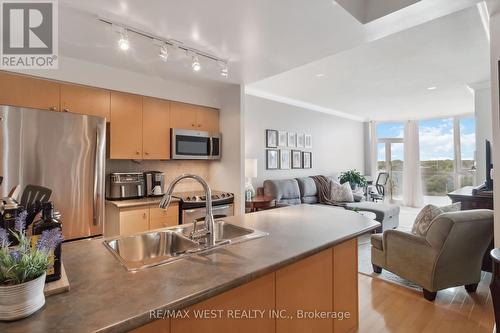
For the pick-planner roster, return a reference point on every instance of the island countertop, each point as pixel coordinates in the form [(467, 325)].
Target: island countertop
[(104, 297)]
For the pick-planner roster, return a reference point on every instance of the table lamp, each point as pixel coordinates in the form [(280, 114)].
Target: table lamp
[(250, 172)]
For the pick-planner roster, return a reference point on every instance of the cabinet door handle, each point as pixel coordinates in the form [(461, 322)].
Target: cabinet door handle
[(146, 153), (144, 215), (138, 152), (52, 108), (193, 125), (66, 110), (199, 125)]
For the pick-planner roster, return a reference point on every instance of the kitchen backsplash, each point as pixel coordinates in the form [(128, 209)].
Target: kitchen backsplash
[(171, 169)]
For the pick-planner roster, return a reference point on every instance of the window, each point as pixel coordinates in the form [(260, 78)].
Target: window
[(391, 156), (467, 128)]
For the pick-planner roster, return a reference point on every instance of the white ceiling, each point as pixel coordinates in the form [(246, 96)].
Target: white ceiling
[(387, 79), (260, 37)]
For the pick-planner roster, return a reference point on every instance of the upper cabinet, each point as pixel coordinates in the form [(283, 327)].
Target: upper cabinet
[(194, 117), (24, 91), (85, 100), (126, 126), (155, 129)]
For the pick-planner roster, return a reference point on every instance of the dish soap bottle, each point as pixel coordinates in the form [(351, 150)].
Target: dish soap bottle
[(49, 222)]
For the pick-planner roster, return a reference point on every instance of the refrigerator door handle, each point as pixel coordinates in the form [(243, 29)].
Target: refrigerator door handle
[(97, 172)]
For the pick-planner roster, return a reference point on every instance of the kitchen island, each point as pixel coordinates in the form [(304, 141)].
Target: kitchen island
[(306, 266)]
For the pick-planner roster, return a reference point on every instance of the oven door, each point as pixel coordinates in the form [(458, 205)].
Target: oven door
[(190, 145), (190, 215)]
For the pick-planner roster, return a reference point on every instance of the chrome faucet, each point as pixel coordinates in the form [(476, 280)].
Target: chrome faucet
[(209, 217)]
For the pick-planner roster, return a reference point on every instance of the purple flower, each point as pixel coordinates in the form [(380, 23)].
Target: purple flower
[(20, 222), (4, 238), (49, 240), (15, 255)]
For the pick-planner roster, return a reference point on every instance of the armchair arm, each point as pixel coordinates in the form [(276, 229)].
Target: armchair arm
[(410, 256)]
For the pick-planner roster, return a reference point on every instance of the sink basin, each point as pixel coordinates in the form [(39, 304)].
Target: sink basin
[(166, 245), (150, 249)]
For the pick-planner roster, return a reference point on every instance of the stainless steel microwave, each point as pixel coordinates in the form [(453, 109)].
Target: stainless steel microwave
[(195, 145)]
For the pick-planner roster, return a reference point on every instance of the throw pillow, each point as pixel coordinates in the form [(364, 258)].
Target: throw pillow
[(341, 192), (424, 219)]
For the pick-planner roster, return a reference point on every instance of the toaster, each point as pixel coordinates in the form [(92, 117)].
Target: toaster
[(122, 185)]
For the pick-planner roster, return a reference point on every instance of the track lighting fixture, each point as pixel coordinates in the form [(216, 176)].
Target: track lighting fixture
[(195, 65), (123, 42), (167, 46)]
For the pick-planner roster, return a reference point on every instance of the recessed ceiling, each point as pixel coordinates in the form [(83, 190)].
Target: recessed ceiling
[(421, 72), (261, 38)]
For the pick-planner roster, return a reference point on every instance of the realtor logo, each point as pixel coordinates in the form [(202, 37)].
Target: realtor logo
[(29, 34)]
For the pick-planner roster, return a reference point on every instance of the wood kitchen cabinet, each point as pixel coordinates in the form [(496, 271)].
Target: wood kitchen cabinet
[(29, 92), (155, 129), (255, 295), (305, 285), (123, 221), (125, 126), (85, 100), (133, 220), (194, 117)]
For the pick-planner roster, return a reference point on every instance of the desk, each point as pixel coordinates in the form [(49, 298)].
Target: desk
[(482, 200)]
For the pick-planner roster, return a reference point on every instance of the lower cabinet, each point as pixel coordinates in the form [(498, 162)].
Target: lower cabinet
[(291, 299), (128, 221)]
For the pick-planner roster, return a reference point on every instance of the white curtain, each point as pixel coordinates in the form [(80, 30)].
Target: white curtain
[(373, 150), (412, 180)]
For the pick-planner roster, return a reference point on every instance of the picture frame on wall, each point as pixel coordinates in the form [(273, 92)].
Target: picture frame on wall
[(307, 160), (301, 138), (296, 159), (308, 141), (282, 138), (285, 159), (272, 159), (292, 139), (271, 138)]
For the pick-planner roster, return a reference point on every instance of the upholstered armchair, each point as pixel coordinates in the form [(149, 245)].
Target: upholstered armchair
[(449, 255)]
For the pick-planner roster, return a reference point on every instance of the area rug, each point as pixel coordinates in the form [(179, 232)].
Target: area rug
[(365, 267)]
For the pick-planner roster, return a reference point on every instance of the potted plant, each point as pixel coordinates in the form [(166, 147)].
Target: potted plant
[(354, 177), (22, 270)]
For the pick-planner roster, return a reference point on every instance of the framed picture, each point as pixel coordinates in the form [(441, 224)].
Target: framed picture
[(284, 159), (301, 137), (272, 159), (296, 159), (271, 138), (307, 160), (292, 139), (282, 138), (308, 141)]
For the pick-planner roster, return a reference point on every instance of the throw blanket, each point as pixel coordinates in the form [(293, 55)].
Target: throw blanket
[(324, 191)]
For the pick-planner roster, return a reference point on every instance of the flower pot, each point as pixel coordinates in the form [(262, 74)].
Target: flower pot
[(21, 300)]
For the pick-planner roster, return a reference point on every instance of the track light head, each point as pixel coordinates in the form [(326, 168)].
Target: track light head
[(224, 70), (123, 42), (163, 53), (195, 65)]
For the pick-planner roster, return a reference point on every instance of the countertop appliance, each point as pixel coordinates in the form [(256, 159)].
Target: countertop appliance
[(62, 151), (195, 145), (192, 205), (125, 185), (155, 183)]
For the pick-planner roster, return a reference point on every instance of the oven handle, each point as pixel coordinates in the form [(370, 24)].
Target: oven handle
[(214, 208)]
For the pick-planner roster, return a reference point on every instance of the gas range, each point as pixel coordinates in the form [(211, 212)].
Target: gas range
[(197, 199)]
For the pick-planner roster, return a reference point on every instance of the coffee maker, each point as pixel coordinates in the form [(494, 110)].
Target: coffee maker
[(155, 183)]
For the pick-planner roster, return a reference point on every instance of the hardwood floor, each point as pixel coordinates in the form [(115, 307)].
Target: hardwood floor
[(386, 307)]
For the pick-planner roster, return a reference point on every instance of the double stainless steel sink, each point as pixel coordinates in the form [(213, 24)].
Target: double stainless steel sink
[(166, 245)]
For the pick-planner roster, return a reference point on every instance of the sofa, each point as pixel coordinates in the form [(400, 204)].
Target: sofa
[(303, 190), (449, 255)]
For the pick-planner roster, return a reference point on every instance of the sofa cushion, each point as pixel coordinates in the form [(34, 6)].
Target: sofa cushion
[(341, 193), (308, 190), (285, 191), (427, 215)]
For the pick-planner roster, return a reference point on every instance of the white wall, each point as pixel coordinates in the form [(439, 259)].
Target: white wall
[(482, 114), (96, 75), (338, 143), (227, 174), (494, 9)]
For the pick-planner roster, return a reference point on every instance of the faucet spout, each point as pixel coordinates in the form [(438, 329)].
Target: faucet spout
[(209, 217)]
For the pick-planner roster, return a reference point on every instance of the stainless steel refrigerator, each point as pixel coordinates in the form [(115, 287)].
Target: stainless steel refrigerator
[(62, 151)]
